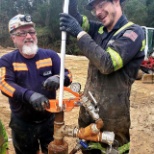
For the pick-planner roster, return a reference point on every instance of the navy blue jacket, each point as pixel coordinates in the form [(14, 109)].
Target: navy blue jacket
[(21, 77), (114, 60)]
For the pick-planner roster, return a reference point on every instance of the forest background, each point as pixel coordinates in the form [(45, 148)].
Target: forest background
[(45, 14)]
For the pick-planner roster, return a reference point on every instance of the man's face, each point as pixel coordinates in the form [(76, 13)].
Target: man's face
[(106, 12), (25, 39)]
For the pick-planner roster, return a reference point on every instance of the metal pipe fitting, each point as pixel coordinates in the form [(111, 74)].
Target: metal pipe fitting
[(108, 137), (90, 133), (58, 134), (58, 146), (86, 133), (89, 108), (69, 131)]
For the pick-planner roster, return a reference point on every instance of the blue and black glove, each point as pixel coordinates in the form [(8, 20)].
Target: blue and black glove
[(69, 24), (73, 10), (39, 101)]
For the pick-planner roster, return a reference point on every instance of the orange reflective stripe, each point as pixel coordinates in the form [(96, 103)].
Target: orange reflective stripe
[(20, 67), (44, 63), (7, 89), (4, 86)]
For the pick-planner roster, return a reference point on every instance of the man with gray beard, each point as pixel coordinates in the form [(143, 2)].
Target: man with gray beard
[(29, 77)]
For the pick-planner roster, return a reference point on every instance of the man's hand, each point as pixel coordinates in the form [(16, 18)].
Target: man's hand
[(52, 83), (69, 24), (39, 101), (73, 10)]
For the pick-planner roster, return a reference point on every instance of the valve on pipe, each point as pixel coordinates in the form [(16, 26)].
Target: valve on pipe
[(90, 133)]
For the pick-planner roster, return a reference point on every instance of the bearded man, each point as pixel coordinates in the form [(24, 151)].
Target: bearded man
[(29, 78)]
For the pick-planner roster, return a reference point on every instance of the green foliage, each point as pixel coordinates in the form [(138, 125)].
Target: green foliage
[(5, 13), (71, 47), (45, 13), (3, 139), (136, 11), (150, 12), (22, 6), (44, 36)]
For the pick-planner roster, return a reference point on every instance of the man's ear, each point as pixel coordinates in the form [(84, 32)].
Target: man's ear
[(12, 38)]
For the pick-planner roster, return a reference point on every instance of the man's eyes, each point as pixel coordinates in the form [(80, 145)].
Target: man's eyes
[(25, 33)]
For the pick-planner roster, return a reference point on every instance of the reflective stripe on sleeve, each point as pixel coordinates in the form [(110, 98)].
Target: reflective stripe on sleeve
[(4, 86), (143, 45), (85, 23), (116, 59)]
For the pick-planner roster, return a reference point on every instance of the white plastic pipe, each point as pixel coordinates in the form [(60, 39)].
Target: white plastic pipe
[(63, 50)]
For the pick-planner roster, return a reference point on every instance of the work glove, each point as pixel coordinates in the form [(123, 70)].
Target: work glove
[(39, 101), (69, 24), (52, 83), (73, 10)]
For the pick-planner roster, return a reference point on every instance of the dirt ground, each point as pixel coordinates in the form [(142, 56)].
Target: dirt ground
[(142, 109)]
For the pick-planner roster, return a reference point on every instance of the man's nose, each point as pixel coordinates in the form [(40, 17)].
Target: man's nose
[(28, 35)]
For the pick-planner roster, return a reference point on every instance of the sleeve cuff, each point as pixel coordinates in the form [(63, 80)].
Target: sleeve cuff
[(28, 94), (81, 34)]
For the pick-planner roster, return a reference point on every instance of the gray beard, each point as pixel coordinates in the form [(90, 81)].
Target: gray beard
[(30, 49)]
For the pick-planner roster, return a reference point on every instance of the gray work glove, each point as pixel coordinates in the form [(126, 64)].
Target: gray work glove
[(69, 24), (52, 83), (73, 10), (39, 101)]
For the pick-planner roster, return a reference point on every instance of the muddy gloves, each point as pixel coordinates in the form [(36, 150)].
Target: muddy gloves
[(69, 24), (39, 101)]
